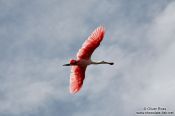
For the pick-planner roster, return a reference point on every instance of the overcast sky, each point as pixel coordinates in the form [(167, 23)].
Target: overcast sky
[(38, 36)]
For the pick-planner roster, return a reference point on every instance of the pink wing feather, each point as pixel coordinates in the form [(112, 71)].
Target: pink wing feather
[(76, 78), (91, 43), (77, 72)]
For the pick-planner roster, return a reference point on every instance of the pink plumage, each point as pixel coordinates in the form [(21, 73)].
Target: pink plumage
[(78, 72), (78, 67), (91, 43), (76, 78)]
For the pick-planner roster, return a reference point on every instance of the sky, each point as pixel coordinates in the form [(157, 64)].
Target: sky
[(38, 36)]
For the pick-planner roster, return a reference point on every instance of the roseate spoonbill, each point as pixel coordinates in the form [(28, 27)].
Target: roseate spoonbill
[(78, 66)]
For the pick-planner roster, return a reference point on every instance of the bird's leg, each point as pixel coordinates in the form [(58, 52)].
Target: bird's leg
[(102, 62)]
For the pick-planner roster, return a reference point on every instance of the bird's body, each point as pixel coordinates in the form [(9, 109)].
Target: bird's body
[(78, 67), (84, 62)]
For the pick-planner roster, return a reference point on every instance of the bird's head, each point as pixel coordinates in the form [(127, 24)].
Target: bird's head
[(71, 62)]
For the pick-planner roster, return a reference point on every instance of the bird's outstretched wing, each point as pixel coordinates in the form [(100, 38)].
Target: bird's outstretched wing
[(91, 43), (76, 78)]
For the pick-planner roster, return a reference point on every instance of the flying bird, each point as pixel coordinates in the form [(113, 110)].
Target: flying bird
[(78, 66)]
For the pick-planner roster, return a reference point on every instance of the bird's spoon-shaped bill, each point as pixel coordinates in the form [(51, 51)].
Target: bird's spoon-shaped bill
[(66, 64)]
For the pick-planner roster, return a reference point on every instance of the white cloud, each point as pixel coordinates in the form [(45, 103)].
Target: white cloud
[(161, 82), (43, 35), (162, 31), (142, 77)]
